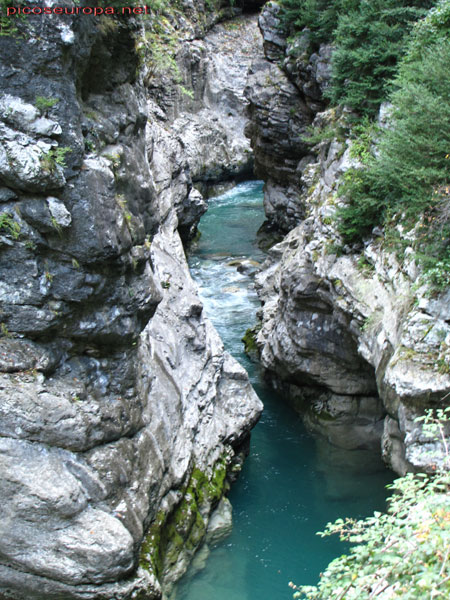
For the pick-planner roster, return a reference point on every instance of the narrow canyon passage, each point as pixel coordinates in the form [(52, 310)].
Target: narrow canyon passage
[(124, 418), (292, 484)]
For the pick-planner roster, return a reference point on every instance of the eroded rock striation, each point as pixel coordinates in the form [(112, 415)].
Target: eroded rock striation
[(284, 93), (122, 418), (351, 337)]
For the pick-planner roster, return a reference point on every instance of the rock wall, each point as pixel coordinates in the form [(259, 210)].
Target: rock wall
[(350, 336), (122, 418), (284, 93), (210, 124)]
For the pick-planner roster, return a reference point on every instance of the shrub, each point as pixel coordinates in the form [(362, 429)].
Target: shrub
[(319, 16), (403, 553), (55, 156), (44, 104), (8, 226), (8, 24)]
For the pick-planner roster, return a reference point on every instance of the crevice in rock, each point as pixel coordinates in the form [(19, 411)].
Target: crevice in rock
[(113, 60)]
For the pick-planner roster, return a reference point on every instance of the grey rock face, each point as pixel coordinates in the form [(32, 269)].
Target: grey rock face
[(277, 126), (115, 390), (311, 73), (205, 141), (351, 329), (336, 337), (282, 103), (210, 124), (295, 350), (220, 524), (347, 422), (26, 163), (281, 205), (274, 35)]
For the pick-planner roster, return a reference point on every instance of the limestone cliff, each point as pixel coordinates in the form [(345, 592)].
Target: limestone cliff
[(122, 418), (350, 335)]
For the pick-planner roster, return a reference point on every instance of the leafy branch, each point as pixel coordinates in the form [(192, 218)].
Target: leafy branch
[(403, 553)]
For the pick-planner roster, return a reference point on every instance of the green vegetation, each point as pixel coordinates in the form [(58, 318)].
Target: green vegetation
[(186, 92), (403, 553), (249, 339), (365, 266), (390, 50), (30, 245), (157, 43), (8, 226), (333, 248), (215, 5), (369, 37), (362, 136), (326, 132), (121, 201), (157, 49), (55, 156), (4, 331), (184, 527), (372, 322), (44, 104), (157, 37), (319, 16), (384, 51), (8, 24), (405, 185)]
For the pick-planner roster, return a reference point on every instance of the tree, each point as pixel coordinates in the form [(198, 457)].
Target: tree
[(407, 180), (370, 39), (319, 16)]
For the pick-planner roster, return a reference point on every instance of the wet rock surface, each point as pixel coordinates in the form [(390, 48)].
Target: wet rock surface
[(114, 387)]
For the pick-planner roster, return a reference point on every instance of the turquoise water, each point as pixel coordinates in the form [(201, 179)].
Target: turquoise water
[(293, 483)]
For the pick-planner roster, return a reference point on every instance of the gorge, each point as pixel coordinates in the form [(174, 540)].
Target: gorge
[(292, 483), (124, 419)]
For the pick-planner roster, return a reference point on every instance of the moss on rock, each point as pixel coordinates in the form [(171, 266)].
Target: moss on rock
[(249, 339), (182, 530)]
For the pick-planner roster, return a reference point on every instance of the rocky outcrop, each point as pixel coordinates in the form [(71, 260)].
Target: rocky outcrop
[(276, 129), (198, 120), (354, 325), (348, 334), (282, 105), (122, 418), (210, 123)]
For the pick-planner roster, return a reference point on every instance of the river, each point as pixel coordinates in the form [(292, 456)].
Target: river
[(293, 483)]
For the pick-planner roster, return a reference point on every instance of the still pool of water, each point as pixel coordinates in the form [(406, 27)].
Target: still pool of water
[(293, 483)]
